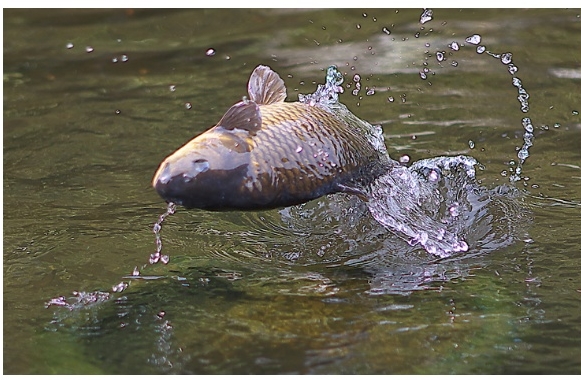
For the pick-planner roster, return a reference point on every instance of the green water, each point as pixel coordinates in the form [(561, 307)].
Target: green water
[(281, 291)]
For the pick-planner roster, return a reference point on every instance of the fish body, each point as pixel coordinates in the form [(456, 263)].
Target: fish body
[(267, 153)]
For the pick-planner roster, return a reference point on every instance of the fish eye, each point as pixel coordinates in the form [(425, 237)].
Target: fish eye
[(200, 165)]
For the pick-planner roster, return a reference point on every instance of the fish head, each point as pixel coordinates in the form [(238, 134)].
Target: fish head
[(206, 172)]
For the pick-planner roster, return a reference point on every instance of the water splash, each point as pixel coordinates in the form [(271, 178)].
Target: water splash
[(327, 94), (427, 15), (157, 256), (425, 203), (80, 299)]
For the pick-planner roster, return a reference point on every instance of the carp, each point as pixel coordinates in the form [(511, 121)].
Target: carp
[(266, 153)]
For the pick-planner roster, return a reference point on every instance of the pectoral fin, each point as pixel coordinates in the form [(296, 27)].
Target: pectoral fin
[(242, 115), (351, 190)]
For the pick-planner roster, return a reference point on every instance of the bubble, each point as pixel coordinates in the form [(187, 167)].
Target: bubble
[(172, 87), (512, 69), (557, 125), (89, 49), (188, 105), (454, 46), (358, 26), (135, 272), (481, 49), (404, 159), (164, 259), (299, 149), (370, 92), (423, 75), (117, 112), (417, 35), (386, 31), (454, 63), (210, 52), (574, 112), (356, 78), (124, 58), (506, 58), (473, 39), (70, 45), (114, 60), (471, 144), (440, 56), (390, 99), (426, 16)]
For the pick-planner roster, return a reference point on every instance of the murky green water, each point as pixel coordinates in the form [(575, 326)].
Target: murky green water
[(90, 111)]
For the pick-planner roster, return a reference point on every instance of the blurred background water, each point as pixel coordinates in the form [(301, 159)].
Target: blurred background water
[(95, 99)]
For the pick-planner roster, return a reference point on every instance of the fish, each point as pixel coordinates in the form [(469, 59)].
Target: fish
[(268, 153)]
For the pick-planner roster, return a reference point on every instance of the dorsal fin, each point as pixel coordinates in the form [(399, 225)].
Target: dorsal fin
[(242, 115), (265, 86)]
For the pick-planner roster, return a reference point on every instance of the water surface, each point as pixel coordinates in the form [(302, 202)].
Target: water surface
[(95, 99)]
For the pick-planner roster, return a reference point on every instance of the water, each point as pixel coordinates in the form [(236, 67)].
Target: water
[(318, 288)]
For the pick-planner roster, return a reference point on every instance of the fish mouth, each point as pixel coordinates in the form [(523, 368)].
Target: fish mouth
[(200, 187)]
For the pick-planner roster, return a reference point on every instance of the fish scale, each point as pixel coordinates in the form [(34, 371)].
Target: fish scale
[(267, 153)]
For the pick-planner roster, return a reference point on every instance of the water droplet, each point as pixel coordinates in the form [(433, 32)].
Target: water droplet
[(370, 92), (434, 176), (172, 87), (481, 49), (89, 49), (358, 26), (454, 46), (471, 144), (135, 272), (119, 287), (404, 159), (124, 58), (386, 31), (473, 39), (423, 75), (390, 99), (188, 106), (506, 58), (210, 52), (454, 210), (426, 16), (512, 69), (164, 259), (114, 60), (574, 112), (70, 45), (117, 112), (440, 56), (154, 258), (299, 149), (417, 35), (557, 125), (504, 173), (454, 63)]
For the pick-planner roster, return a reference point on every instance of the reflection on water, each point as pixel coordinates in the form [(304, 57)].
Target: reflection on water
[(317, 288)]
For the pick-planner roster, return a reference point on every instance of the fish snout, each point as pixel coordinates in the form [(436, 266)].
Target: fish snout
[(175, 181), (195, 183)]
